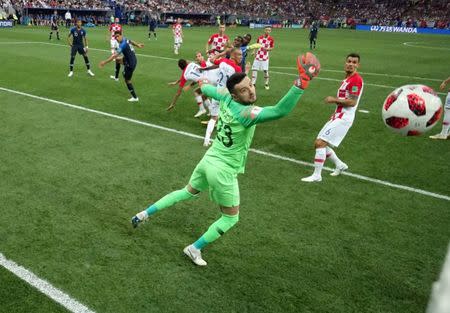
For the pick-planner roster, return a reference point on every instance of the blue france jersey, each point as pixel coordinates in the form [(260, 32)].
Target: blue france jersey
[(127, 50), (77, 35)]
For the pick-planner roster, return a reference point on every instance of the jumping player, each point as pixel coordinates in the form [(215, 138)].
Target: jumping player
[(218, 169), (227, 68), (217, 42), (177, 30), (334, 131), (261, 62), (78, 44), (54, 25), (129, 61), (113, 28), (444, 134)]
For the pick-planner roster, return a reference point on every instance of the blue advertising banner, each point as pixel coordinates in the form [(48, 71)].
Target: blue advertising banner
[(4, 24), (396, 29)]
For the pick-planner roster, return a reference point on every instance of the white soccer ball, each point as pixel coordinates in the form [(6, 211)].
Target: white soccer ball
[(412, 110)]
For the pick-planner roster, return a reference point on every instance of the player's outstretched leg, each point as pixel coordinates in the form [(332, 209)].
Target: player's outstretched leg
[(254, 76), (88, 65), (217, 229), (445, 126), (340, 166), (266, 80), (72, 59), (50, 36), (116, 73), (57, 35), (164, 202), (134, 97), (319, 160), (201, 107)]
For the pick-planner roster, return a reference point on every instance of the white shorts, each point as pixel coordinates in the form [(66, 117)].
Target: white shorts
[(447, 101), (260, 65), (214, 108), (178, 40), (114, 45), (212, 76), (334, 131)]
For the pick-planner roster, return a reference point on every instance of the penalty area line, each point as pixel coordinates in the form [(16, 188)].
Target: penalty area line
[(268, 154), (44, 286)]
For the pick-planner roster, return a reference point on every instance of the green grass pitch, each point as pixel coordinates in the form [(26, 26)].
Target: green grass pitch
[(71, 180)]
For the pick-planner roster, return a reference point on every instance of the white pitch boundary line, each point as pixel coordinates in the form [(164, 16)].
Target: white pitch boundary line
[(275, 156), (367, 73), (173, 59), (412, 44), (332, 79), (44, 286)]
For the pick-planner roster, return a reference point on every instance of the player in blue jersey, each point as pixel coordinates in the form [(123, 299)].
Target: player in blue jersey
[(78, 44), (129, 61), (54, 25)]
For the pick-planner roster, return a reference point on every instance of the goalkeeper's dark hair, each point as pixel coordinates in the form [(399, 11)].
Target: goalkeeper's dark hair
[(235, 79), (353, 55), (182, 63), (117, 32)]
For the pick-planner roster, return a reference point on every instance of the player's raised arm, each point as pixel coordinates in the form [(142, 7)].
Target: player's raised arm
[(137, 44), (211, 91), (255, 115)]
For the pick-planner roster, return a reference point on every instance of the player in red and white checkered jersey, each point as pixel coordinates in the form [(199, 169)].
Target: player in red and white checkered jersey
[(113, 28), (177, 30), (217, 42), (334, 131), (261, 62)]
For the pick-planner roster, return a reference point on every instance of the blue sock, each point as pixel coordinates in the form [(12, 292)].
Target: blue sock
[(200, 243), (151, 210)]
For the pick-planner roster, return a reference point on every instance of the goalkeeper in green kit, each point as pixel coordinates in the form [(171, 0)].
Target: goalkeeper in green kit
[(218, 169)]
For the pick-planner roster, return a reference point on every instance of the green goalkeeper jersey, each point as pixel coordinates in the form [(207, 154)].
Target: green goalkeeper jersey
[(236, 125)]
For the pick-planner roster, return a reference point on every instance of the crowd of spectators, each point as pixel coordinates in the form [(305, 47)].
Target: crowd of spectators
[(425, 13)]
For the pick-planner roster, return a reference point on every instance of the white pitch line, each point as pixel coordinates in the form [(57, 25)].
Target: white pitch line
[(273, 155), (364, 111), (412, 44), (44, 286), (340, 80), (367, 73), (174, 59)]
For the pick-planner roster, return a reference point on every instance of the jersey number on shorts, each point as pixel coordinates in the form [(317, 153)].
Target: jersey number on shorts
[(226, 140)]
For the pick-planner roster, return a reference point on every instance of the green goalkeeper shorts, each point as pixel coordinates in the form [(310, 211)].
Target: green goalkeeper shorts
[(219, 178)]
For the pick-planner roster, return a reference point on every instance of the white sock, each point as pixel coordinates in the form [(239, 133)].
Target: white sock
[(266, 77), (209, 130), (199, 100), (333, 157), (446, 122), (254, 76), (206, 103), (319, 159)]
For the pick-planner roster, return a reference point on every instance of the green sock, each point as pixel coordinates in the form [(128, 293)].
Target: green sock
[(217, 229), (169, 200)]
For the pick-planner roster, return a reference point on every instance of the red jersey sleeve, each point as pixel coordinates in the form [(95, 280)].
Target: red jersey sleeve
[(272, 42), (182, 79), (211, 39), (110, 27), (355, 85)]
